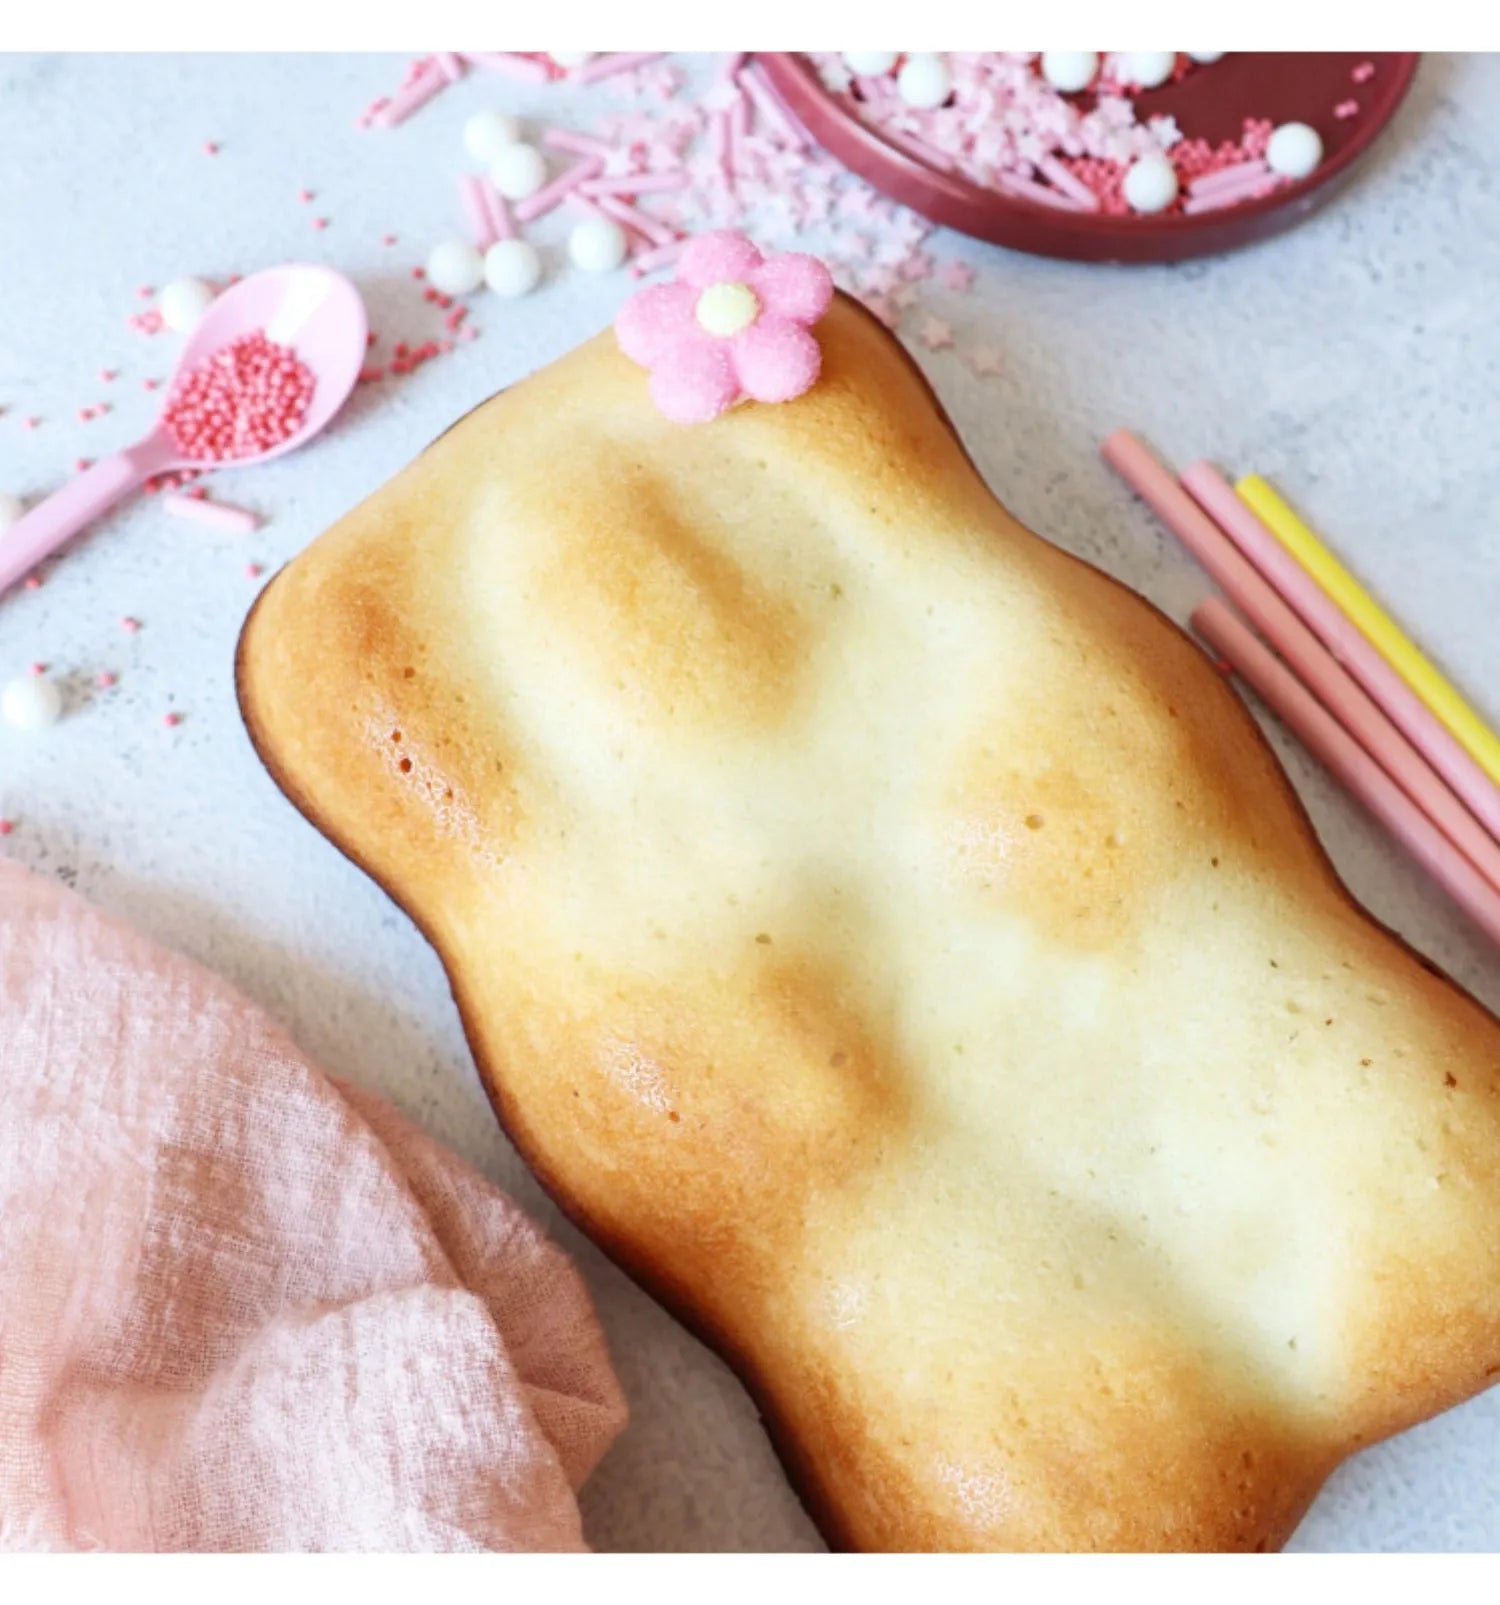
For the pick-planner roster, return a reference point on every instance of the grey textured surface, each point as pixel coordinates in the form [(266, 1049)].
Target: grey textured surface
[(1356, 361)]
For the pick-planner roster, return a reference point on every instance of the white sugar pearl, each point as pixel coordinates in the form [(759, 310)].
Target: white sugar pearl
[(518, 171), (1294, 150), (924, 82), (597, 245), (1147, 68), (31, 702), (870, 63), (183, 302), (454, 267), (1070, 70), (572, 58), (487, 133), (11, 508), (1205, 58), (1151, 184), (512, 267)]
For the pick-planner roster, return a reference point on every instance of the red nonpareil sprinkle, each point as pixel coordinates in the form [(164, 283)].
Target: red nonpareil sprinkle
[(146, 291), (38, 668), (85, 414), (210, 147), (129, 625), (320, 223), (80, 464), (253, 571), (31, 423), (7, 826), (32, 582), (108, 375), (105, 680), (305, 196), (171, 720), (419, 273), (388, 239), (249, 397)]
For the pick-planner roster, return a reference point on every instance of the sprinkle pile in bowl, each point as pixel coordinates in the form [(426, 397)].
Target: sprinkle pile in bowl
[(1065, 129)]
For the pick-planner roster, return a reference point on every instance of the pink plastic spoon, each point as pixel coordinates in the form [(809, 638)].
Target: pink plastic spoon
[(315, 311)]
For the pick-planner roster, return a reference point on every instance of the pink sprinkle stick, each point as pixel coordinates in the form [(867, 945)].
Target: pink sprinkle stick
[(732, 64), (552, 195), (502, 225), (772, 109), (411, 96), (582, 204), (451, 66), (1227, 175), (651, 229), (634, 183), (579, 144), (217, 515), (1346, 109), (649, 261), (1067, 182), (1317, 729), (1249, 188), (513, 65), (1318, 668), (476, 213), (1345, 641), (1027, 189), (608, 66)]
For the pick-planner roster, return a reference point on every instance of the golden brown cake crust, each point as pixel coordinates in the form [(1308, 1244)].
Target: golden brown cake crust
[(889, 939)]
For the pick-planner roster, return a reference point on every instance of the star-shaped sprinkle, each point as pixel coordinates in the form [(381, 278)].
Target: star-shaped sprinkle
[(937, 334), (958, 276), (984, 360)]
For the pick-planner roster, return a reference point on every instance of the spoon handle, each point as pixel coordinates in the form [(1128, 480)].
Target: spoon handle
[(41, 531)]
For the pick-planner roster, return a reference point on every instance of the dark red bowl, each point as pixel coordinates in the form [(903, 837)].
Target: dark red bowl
[(1211, 103)]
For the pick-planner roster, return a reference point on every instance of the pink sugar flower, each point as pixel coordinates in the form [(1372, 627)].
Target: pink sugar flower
[(734, 324)]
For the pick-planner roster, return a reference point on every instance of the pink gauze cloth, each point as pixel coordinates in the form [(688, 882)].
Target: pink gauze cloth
[(244, 1307)]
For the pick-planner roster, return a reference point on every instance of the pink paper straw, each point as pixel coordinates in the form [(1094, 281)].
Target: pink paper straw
[(772, 109), (608, 66), (649, 261), (650, 229), (1316, 666), (411, 96), (1067, 182), (1228, 175), (476, 213), (553, 194), (635, 183), (577, 144), (1344, 758), (1346, 641), (526, 68), (217, 515)]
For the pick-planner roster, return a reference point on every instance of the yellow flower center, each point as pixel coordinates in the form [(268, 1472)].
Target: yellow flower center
[(725, 309)]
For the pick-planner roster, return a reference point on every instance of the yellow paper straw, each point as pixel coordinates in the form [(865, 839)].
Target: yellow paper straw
[(1374, 623)]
